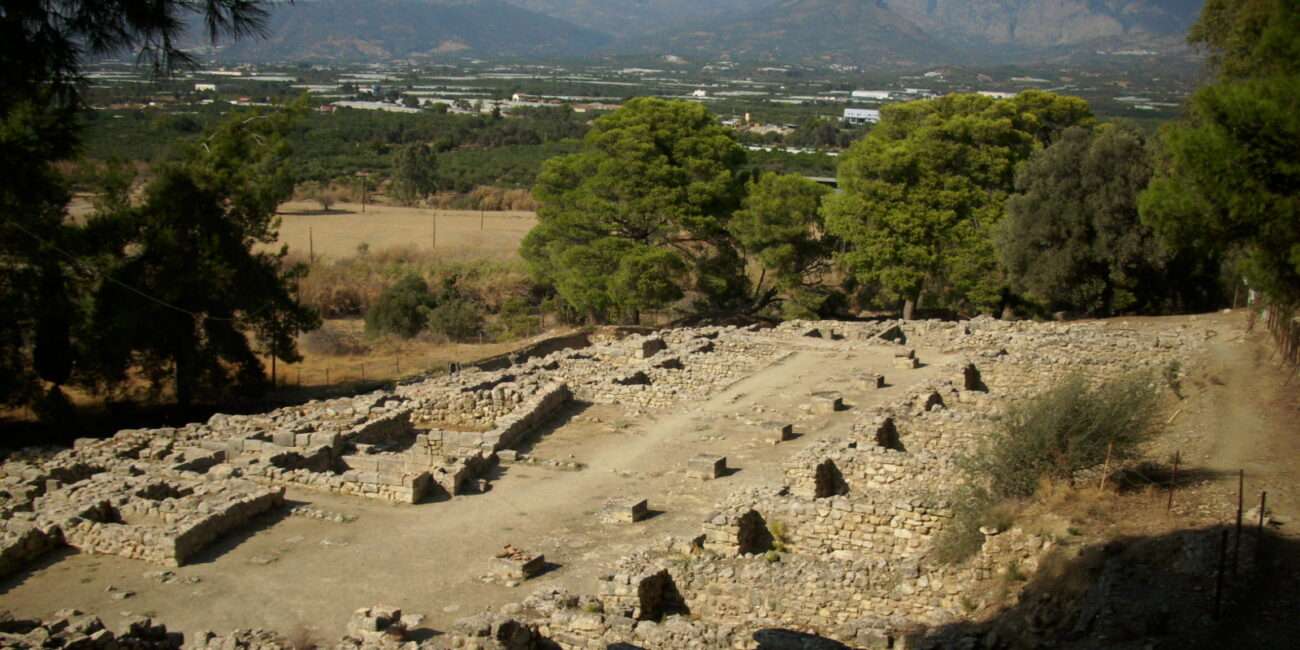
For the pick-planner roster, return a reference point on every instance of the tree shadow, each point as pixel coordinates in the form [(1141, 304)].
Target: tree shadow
[(1160, 476), (32, 567), (1149, 592), (781, 639)]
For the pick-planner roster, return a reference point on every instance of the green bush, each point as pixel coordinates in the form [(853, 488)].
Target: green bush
[(1064, 430), (402, 309), (457, 319), (1050, 437), (517, 319)]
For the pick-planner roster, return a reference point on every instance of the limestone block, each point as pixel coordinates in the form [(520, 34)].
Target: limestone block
[(827, 402), (516, 564), (906, 363), (780, 432), (870, 381), (627, 510), (707, 467)]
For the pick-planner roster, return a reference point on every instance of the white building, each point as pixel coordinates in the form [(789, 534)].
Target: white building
[(198, 88), (878, 95), (861, 115)]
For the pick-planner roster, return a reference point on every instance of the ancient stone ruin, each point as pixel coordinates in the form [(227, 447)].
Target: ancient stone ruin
[(839, 547)]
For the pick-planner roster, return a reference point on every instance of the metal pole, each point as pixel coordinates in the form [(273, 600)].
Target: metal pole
[(1259, 529)]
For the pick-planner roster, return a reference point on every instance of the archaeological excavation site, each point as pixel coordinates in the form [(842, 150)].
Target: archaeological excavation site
[(713, 487)]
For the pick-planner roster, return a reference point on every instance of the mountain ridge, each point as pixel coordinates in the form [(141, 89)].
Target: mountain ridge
[(871, 33), (351, 30)]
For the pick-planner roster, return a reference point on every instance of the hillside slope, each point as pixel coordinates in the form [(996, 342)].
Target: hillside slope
[(866, 32), (1046, 23), (630, 18), (348, 30), (871, 32)]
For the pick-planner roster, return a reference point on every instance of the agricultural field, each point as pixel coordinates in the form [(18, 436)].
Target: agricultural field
[(458, 234)]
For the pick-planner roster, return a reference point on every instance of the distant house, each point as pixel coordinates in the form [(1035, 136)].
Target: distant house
[(995, 94), (199, 88), (861, 115), (878, 95), (700, 93)]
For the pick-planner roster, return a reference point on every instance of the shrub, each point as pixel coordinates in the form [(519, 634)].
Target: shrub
[(1050, 437), (457, 319), (517, 319), (1064, 430), (401, 309)]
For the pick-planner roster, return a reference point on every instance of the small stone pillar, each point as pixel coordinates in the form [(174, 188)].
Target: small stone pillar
[(827, 402), (707, 467)]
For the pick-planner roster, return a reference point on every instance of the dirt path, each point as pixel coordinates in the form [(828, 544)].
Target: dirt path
[(305, 576), (1248, 416)]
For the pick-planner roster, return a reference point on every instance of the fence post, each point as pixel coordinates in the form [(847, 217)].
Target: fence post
[(1259, 529)]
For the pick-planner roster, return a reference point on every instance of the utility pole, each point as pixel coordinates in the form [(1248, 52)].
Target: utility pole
[(311, 247), (434, 220)]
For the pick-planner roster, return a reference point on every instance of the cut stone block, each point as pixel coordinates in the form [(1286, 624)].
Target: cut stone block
[(906, 363), (823, 403), (627, 510), (871, 381), (515, 564), (893, 334), (507, 455), (707, 467), (907, 353), (781, 432)]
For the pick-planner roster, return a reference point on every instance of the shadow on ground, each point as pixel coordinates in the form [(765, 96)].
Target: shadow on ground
[(1150, 593)]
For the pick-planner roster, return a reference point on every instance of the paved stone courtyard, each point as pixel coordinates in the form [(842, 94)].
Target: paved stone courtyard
[(690, 488)]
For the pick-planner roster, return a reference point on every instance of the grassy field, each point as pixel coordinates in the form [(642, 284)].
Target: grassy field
[(461, 234)]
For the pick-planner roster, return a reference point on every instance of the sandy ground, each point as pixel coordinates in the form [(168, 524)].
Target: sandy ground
[(294, 573), (337, 233)]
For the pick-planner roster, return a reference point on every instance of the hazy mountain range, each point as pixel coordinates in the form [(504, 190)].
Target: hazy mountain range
[(865, 32)]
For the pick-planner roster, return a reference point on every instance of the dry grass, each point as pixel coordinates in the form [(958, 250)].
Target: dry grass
[(461, 234), (355, 357)]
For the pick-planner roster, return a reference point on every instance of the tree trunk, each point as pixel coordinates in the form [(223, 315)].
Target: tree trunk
[(184, 383)]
